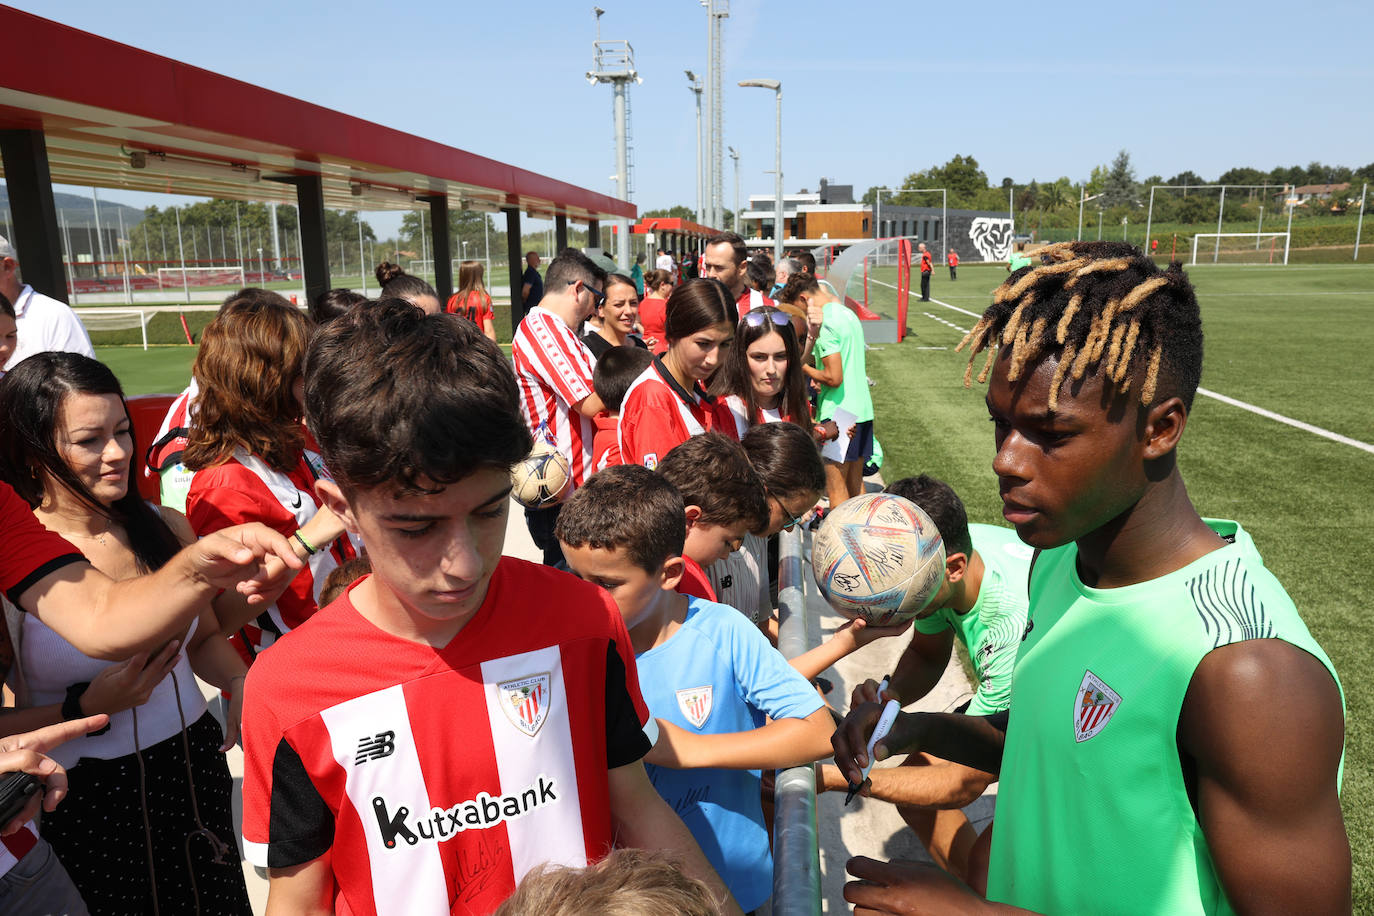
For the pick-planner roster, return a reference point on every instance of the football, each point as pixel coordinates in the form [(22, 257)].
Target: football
[(879, 557), (543, 479)]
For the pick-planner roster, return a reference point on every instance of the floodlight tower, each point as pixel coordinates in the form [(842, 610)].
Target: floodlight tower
[(716, 11), (614, 63)]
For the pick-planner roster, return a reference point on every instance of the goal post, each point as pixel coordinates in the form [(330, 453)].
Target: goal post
[(113, 319), (1240, 248), (176, 277)]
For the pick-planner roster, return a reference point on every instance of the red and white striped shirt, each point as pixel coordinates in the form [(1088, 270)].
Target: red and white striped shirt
[(437, 778), (752, 299), (658, 414), (554, 371)]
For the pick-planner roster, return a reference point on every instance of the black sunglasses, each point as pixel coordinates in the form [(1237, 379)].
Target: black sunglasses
[(598, 296)]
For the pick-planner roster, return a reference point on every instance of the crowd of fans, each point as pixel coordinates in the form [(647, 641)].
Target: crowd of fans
[(431, 727)]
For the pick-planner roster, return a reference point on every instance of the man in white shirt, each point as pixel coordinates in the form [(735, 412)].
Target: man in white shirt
[(664, 261), (44, 323)]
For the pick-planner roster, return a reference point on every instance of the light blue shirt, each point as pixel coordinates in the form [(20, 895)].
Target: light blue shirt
[(718, 674)]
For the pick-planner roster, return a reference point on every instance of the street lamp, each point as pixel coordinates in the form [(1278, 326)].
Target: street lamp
[(1081, 201), (695, 87), (735, 156), (777, 163)]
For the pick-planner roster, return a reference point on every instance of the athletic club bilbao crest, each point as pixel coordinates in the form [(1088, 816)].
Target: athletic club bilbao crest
[(1093, 706), (526, 702), (695, 703)]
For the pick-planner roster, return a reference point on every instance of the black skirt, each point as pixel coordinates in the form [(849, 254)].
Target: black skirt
[(98, 830)]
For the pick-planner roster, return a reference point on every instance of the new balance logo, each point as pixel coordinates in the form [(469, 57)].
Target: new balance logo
[(382, 744), (478, 814)]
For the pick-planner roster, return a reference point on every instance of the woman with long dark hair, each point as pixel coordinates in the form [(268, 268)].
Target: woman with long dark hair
[(761, 380), (617, 311), (247, 452), (668, 403), (148, 826)]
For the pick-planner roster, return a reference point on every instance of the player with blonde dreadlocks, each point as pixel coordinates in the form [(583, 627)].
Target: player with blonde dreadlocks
[(1178, 734)]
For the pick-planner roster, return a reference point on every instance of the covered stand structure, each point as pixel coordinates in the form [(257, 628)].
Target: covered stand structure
[(114, 116)]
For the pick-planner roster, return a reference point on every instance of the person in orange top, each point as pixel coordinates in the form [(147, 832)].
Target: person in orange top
[(658, 285), (927, 265), (953, 260), (472, 300)]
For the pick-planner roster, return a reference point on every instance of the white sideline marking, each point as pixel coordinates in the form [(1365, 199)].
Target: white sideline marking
[(1299, 424), (932, 348), (1268, 414), (948, 324)]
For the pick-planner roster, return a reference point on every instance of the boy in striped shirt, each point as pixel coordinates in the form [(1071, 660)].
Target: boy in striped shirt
[(457, 718)]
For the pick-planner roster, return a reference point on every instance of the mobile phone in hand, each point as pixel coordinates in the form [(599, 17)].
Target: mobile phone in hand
[(16, 791)]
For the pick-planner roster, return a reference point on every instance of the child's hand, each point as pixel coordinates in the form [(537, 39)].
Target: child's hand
[(859, 633)]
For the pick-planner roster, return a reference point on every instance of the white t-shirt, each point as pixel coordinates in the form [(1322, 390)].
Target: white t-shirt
[(46, 324), (664, 262)]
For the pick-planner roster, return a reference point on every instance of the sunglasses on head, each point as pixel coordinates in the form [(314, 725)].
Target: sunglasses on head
[(756, 317)]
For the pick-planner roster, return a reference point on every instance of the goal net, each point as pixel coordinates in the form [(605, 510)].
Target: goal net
[(1240, 248), (176, 277), (110, 319)]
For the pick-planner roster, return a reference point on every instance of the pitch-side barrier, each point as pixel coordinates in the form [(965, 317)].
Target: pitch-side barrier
[(796, 849)]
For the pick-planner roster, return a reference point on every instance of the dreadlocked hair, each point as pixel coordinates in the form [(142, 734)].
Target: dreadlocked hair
[(1101, 306)]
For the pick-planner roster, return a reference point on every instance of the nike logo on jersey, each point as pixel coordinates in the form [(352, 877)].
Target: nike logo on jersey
[(480, 813)]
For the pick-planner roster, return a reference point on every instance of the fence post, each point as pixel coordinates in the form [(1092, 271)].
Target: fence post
[(796, 850)]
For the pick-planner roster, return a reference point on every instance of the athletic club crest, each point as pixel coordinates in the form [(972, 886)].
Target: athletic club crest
[(695, 703), (1093, 706), (526, 702)]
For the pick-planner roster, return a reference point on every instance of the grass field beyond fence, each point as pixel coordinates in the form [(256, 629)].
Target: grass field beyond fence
[(1292, 340)]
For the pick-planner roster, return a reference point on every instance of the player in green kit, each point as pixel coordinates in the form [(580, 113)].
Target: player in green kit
[(1176, 736), (982, 604)]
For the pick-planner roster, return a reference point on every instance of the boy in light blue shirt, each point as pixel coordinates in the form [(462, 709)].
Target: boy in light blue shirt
[(725, 704)]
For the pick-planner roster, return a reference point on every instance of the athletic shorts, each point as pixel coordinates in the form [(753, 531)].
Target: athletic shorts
[(861, 446)]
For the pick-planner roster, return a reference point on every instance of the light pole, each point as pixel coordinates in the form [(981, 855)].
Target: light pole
[(777, 163), (695, 87), (735, 156), (1081, 201)]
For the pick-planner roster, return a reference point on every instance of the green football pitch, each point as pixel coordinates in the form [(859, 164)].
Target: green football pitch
[(1286, 340)]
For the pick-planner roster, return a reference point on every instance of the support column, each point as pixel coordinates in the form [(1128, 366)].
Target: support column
[(35, 235), (560, 231), (310, 216), (517, 266), (593, 234), (440, 241)]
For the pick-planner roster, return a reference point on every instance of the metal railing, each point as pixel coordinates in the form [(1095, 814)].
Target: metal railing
[(796, 849)]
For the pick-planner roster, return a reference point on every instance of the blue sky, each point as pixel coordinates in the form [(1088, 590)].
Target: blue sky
[(872, 90)]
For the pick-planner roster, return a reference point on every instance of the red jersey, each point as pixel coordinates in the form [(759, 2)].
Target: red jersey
[(658, 413), (554, 371), (31, 552), (605, 447), (694, 581), (653, 313), (953, 259), (733, 420), (752, 299), (475, 307), (166, 448), (245, 489), (438, 778), (927, 264)]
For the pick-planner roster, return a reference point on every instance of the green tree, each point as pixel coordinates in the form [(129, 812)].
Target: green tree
[(1056, 195), (1120, 188), (678, 211), (961, 177), (463, 226)]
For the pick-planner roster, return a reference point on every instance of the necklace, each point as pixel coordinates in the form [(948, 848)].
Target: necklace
[(98, 537)]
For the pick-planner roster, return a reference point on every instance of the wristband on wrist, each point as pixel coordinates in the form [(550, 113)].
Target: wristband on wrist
[(310, 551), (71, 706)]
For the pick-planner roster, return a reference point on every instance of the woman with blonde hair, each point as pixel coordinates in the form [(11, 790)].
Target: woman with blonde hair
[(472, 300), (249, 456)]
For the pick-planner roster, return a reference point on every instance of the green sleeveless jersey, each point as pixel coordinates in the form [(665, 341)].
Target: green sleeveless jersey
[(1093, 814), (991, 630)]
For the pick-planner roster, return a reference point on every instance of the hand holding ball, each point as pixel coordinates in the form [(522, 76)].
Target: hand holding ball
[(543, 479), (879, 557)]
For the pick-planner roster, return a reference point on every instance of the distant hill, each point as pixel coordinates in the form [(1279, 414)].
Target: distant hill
[(80, 213)]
